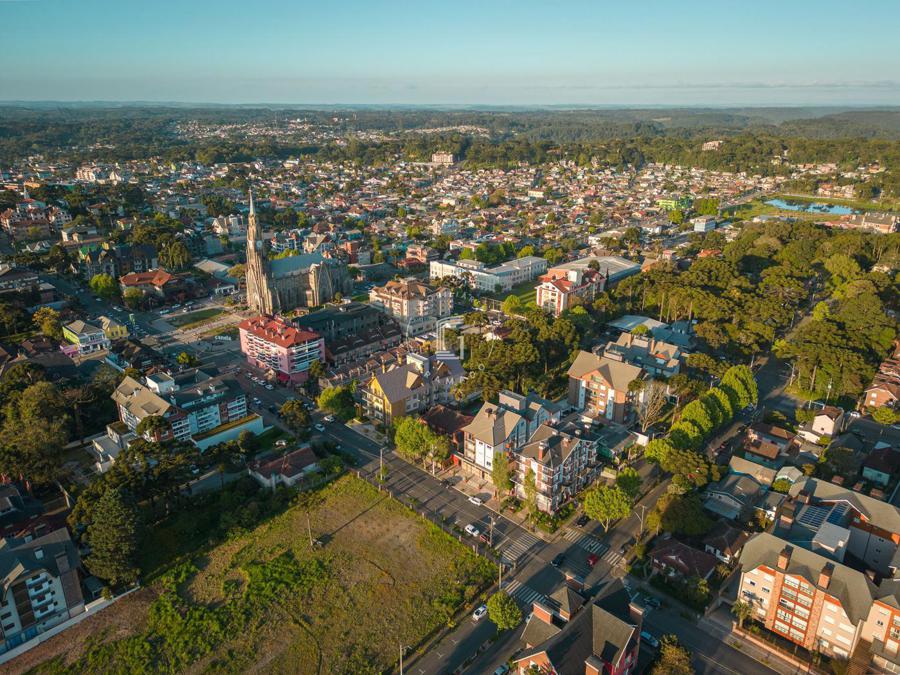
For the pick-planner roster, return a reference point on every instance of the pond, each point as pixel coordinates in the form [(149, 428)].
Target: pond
[(811, 207)]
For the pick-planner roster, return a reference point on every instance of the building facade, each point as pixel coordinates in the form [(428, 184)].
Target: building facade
[(415, 305), (275, 345), (490, 279), (599, 387)]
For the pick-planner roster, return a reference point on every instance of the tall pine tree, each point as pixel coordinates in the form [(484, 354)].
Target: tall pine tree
[(113, 539)]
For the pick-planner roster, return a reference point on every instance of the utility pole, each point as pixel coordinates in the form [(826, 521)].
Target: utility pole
[(643, 508), (309, 530), (500, 578), (492, 532), (402, 649)]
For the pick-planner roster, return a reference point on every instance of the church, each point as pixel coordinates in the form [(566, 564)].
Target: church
[(282, 284)]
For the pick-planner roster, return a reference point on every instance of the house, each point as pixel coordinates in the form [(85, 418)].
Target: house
[(735, 496), (106, 448), (415, 305), (764, 475), (827, 423), (676, 559), (112, 328), (603, 637), (84, 338), (130, 353), (655, 357), (153, 282), (412, 387), (725, 542), (599, 386), (450, 423), (41, 585), (286, 470), (502, 427), (276, 346), (767, 441), (881, 465)]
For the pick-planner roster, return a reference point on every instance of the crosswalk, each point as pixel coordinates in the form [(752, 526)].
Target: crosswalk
[(511, 549), (523, 593), (593, 545)]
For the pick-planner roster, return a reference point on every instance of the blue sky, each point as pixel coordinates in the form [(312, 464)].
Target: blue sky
[(723, 52)]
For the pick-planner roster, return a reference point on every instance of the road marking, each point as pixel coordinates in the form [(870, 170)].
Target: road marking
[(585, 541), (513, 548), (613, 558), (524, 594)]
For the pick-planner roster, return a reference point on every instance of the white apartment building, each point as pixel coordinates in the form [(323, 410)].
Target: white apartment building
[(415, 306), (490, 279)]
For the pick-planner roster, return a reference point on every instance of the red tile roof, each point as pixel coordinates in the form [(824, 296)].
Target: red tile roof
[(277, 331), (158, 278)]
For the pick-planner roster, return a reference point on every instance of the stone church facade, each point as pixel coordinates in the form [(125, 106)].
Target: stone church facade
[(280, 285)]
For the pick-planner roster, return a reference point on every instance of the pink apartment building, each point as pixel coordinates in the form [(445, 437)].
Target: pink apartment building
[(275, 345)]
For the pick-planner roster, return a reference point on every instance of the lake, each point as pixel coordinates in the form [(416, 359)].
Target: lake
[(812, 207)]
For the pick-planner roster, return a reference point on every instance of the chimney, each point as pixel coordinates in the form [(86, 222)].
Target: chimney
[(542, 612), (542, 448), (575, 582), (786, 517), (805, 497), (784, 558), (825, 575), (635, 613)]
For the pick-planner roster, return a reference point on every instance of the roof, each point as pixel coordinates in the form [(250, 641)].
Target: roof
[(53, 552), (292, 464), (398, 383), (282, 267), (79, 327), (760, 473), (745, 489), (277, 331), (631, 321), (139, 400), (853, 589), (617, 374), (156, 278), (689, 561), (884, 460), (725, 538), (493, 424), (875, 511), (445, 420)]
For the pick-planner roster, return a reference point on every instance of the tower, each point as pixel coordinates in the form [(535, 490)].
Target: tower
[(260, 297)]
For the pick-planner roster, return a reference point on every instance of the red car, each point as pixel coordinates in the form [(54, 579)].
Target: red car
[(593, 559)]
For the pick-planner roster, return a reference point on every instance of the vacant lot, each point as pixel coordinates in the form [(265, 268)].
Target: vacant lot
[(264, 601)]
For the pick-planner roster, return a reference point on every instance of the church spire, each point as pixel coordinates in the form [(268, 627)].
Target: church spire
[(252, 207)]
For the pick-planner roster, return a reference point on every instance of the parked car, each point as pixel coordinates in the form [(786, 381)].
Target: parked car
[(484, 538), (319, 427), (854, 414), (281, 443), (476, 501), (558, 560), (472, 530), (479, 613), (269, 387), (649, 639), (582, 520), (592, 560), (329, 418), (653, 602), (502, 669)]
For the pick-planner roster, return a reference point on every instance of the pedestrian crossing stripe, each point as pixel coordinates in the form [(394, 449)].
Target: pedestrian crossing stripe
[(523, 593), (513, 549), (585, 541)]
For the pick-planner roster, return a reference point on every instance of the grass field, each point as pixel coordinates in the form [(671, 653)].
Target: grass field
[(195, 319), (524, 291), (264, 601)]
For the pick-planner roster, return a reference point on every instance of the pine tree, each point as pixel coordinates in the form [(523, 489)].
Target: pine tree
[(113, 540)]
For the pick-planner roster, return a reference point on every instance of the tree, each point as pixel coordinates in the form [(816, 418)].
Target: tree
[(47, 319), (133, 297), (104, 286), (530, 488), (630, 482), (504, 611), (409, 440), (295, 416), (885, 415), (188, 360), (742, 611), (679, 514), (152, 427), (175, 256), (673, 658), (338, 401), (512, 305), (501, 473), (696, 414), (658, 450), (112, 537), (606, 504), (782, 485), (652, 404)]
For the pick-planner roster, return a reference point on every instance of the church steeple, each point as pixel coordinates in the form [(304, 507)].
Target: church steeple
[(259, 292)]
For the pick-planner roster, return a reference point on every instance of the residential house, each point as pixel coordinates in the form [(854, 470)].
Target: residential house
[(450, 423), (725, 542), (278, 347), (736, 497), (602, 638), (767, 441), (559, 288), (676, 559), (41, 586), (412, 387), (599, 386), (153, 282), (287, 470), (881, 464), (106, 449), (827, 423), (415, 305), (657, 358), (112, 328), (84, 338), (502, 427)]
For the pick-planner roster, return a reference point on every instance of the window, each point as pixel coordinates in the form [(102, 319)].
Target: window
[(827, 631), (765, 590), (829, 619)]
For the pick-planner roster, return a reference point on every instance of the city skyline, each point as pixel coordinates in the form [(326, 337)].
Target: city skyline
[(503, 54)]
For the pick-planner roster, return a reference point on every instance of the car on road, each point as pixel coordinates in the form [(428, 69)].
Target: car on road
[(484, 538), (476, 501), (854, 414), (319, 427), (502, 669), (653, 602), (471, 530), (592, 560), (329, 418), (281, 443), (582, 520), (558, 560), (649, 639), (269, 387), (479, 613), (195, 470)]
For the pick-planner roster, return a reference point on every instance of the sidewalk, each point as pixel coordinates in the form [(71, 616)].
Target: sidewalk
[(368, 431)]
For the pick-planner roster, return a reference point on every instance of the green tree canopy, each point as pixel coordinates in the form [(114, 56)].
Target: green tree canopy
[(504, 611), (112, 537)]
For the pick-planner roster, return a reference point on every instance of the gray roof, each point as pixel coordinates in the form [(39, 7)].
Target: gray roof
[(763, 474), (852, 588), (493, 424), (282, 267), (875, 511), (53, 552), (139, 400), (619, 375)]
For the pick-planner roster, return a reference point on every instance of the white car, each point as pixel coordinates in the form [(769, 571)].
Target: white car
[(319, 427), (328, 418), (476, 501), (269, 387), (479, 613), (471, 530)]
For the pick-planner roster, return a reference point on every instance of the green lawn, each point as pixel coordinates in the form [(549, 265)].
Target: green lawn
[(524, 291), (195, 319), (264, 601)]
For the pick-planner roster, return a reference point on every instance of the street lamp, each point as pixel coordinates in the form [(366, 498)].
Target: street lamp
[(402, 649)]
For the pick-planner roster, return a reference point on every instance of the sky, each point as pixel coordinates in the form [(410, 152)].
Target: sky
[(459, 52)]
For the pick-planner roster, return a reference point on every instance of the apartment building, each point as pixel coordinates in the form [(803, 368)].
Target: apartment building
[(821, 604), (84, 338), (352, 331), (275, 345), (41, 586), (412, 387), (655, 357), (564, 460), (558, 289), (415, 305), (503, 427), (490, 279), (599, 386), (195, 406)]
